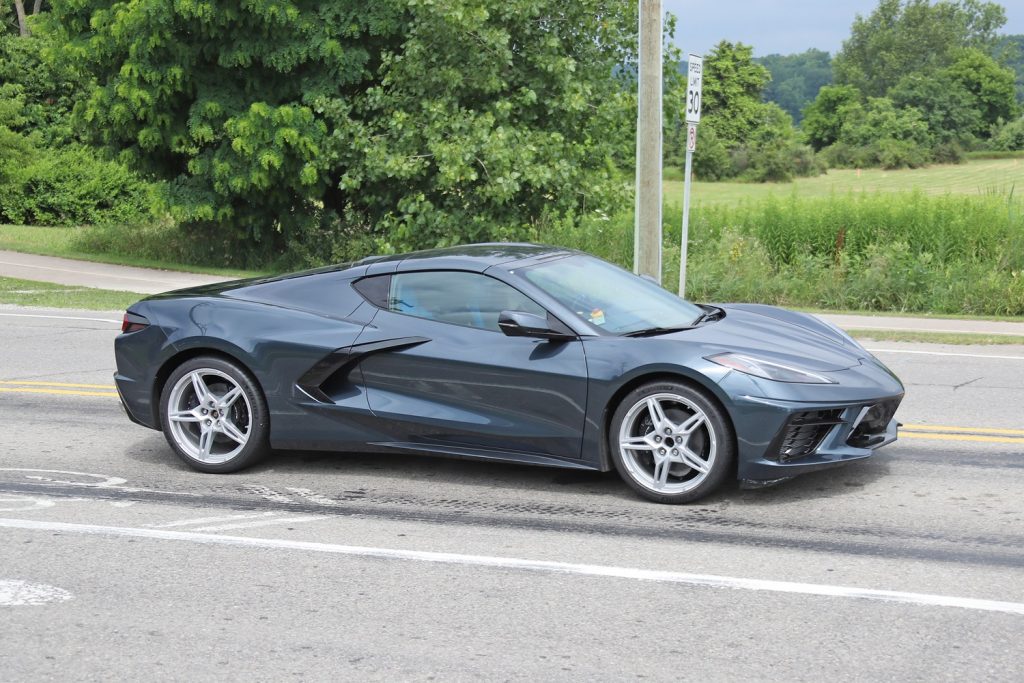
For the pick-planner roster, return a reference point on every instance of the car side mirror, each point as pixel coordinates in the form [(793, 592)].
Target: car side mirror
[(522, 324)]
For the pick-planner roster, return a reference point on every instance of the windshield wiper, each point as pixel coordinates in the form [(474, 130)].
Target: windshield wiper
[(708, 316), (652, 331)]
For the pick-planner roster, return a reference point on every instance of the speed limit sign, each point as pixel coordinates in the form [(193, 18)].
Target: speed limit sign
[(695, 77)]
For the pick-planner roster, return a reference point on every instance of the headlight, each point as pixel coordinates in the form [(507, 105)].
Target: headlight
[(767, 369)]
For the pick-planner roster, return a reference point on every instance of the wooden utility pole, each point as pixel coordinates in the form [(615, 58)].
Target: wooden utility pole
[(647, 228)]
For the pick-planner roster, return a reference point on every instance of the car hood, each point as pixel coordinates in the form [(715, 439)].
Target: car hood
[(777, 334)]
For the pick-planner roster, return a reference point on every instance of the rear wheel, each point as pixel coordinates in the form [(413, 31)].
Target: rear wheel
[(671, 443), (214, 415)]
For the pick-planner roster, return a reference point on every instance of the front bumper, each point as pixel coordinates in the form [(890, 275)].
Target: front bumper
[(843, 437)]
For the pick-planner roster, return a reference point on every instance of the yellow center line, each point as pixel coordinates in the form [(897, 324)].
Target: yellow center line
[(66, 392), (969, 430), (57, 384)]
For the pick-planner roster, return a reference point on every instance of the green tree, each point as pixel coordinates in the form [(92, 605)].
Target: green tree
[(416, 122), (8, 20), (49, 90), (740, 134), (911, 36), (731, 92), (963, 100), (882, 134), (990, 85), (796, 79), (948, 107), (824, 117)]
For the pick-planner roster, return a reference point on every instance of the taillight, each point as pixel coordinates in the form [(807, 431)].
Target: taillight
[(133, 323)]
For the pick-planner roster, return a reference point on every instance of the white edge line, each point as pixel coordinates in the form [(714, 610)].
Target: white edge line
[(209, 520), (60, 317), (708, 580), (258, 523), (890, 328), (945, 353)]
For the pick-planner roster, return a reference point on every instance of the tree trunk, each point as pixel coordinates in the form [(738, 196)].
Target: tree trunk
[(37, 6), (19, 7)]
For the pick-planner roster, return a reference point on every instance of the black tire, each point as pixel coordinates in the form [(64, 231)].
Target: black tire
[(663, 464), (206, 432)]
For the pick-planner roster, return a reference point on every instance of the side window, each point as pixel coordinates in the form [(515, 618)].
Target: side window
[(457, 297), (375, 289)]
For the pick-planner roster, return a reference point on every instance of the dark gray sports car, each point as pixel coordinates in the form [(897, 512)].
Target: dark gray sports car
[(512, 352)]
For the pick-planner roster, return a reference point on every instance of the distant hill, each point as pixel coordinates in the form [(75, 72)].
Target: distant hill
[(796, 79)]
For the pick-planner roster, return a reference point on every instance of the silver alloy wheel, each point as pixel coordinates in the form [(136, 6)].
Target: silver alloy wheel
[(667, 443), (206, 418)]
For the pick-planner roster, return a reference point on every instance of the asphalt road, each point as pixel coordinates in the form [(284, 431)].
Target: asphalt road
[(116, 562)]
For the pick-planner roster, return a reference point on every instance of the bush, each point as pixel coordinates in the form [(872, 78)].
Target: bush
[(1010, 137), (893, 154), (711, 159), (72, 186), (949, 153)]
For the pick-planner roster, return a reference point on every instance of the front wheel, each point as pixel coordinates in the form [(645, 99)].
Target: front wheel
[(671, 442), (214, 415)]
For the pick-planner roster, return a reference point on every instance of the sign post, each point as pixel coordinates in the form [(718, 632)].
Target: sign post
[(695, 78)]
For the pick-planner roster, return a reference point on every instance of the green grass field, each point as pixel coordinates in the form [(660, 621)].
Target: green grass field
[(47, 295), (981, 176)]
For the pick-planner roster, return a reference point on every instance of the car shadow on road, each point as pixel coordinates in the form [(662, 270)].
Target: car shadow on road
[(427, 475)]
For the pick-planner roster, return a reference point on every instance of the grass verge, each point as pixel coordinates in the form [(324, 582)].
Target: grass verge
[(66, 243), (959, 339), (47, 295)]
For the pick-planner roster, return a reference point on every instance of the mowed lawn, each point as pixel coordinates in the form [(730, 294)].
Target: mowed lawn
[(982, 176)]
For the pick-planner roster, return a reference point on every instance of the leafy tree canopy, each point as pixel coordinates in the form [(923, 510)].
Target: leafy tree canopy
[(824, 117), (422, 122), (796, 79), (731, 92), (912, 36)]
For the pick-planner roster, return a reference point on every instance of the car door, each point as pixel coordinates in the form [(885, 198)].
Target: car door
[(443, 374)]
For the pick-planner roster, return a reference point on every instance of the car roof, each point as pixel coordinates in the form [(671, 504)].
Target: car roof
[(473, 257)]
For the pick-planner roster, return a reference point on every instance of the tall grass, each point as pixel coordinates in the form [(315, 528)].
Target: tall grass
[(883, 252)]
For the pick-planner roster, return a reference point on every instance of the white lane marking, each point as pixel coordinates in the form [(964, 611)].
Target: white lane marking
[(944, 353), (15, 503), (208, 520), (708, 580), (931, 329), (15, 593), (258, 523), (115, 483), (60, 317), (105, 481)]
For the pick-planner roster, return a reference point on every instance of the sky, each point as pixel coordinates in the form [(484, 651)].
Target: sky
[(782, 26)]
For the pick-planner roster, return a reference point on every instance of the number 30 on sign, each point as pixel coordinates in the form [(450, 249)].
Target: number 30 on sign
[(695, 77)]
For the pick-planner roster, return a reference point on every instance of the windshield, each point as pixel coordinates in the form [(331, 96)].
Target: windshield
[(610, 297)]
